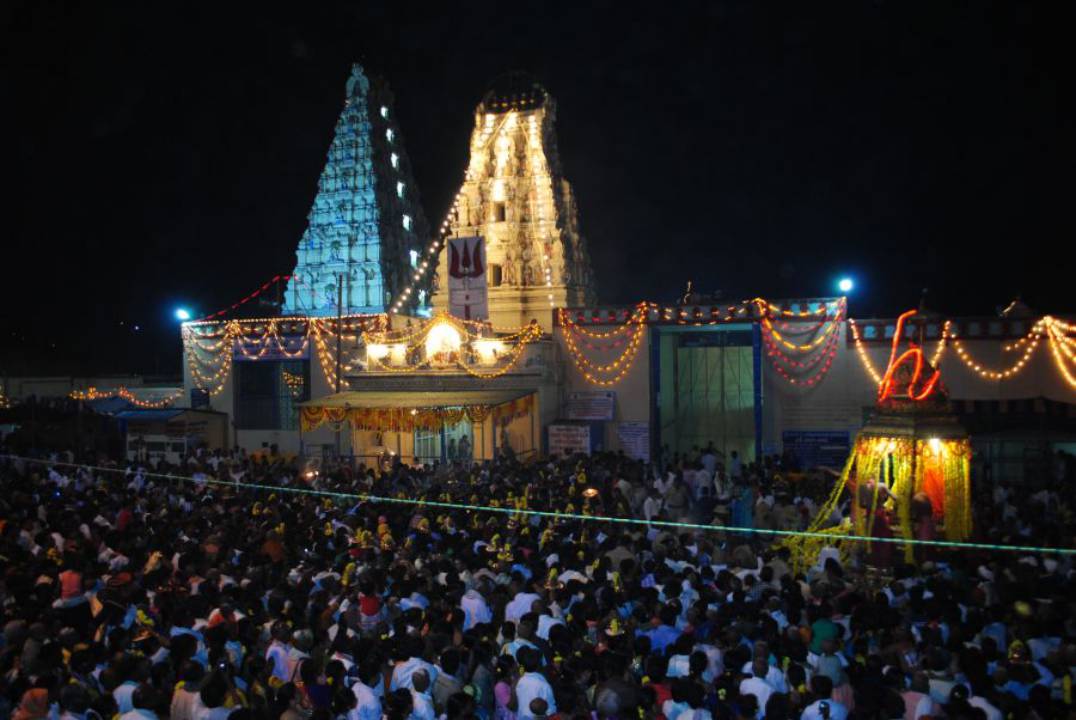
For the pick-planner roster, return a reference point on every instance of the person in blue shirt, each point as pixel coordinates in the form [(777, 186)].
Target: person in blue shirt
[(665, 634)]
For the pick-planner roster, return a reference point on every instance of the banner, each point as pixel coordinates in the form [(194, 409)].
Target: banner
[(567, 440), (591, 405), (467, 292), (634, 439), (813, 448)]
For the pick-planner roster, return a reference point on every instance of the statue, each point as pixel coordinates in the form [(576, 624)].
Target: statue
[(368, 275), (508, 271)]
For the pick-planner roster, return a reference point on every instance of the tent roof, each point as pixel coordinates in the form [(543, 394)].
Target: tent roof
[(417, 399)]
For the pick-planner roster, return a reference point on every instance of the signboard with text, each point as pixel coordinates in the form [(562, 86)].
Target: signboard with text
[(591, 405), (634, 438), (567, 440), (813, 448)]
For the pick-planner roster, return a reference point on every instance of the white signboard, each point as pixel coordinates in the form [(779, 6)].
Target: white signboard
[(566, 440), (591, 405), (634, 439), (467, 292)]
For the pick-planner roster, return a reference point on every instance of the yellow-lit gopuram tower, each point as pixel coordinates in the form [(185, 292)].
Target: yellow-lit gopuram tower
[(514, 194)]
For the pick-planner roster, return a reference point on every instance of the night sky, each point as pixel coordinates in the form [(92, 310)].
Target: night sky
[(164, 154)]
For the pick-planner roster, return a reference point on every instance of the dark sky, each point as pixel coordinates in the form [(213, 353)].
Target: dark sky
[(161, 154)]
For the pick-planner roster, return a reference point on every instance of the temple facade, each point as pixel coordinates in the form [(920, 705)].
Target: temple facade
[(515, 195), (366, 227)]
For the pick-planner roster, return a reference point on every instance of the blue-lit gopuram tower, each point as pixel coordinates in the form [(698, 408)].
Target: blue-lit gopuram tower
[(366, 226)]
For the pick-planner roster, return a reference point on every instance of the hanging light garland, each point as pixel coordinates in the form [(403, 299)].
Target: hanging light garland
[(248, 298), (987, 373), (607, 374), (211, 375), (812, 360), (864, 358), (429, 256), (522, 337), (820, 351), (1061, 346), (532, 333), (862, 352), (92, 393)]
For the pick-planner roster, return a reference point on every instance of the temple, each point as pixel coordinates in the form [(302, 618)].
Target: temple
[(366, 226), (555, 372), (515, 195)]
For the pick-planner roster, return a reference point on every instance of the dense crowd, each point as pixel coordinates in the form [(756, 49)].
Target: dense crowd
[(178, 591)]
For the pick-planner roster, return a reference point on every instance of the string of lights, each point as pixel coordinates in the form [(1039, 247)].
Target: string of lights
[(990, 374), (619, 367), (1059, 347), (815, 358), (862, 352), (939, 350), (248, 298), (772, 309), (92, 393), (533, 333), (637, 317), (833, 326)]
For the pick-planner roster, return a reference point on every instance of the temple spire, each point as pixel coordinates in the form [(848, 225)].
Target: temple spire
[(366, 218)]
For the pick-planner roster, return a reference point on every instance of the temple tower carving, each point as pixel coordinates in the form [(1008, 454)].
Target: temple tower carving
[(515, 195), (366, 225)]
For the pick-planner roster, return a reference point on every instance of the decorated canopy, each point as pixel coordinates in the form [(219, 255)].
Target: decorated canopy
[(910, 462), (406, 411)]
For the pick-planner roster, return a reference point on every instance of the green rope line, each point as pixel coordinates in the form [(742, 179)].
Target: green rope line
[(556, 515)]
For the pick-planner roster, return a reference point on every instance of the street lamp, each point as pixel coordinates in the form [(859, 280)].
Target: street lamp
[(846, 285), (183, 314)]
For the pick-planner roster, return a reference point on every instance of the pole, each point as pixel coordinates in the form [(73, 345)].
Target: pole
[(339, 337)]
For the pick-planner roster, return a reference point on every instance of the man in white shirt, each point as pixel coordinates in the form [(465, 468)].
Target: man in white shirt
[(825, 708), (756, 685), (475, 609), (367, 703), (532, 685), (421, 701), (521, 604), (773, 675), (652, 504), (279, 653), (403, 673)]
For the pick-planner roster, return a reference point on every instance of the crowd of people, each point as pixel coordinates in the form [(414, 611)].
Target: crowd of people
[(346, 593)]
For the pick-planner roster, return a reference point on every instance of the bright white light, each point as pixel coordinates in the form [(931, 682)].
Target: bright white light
[(845, 285), (377, 351), (397, 353), (442, 338), (183, 314), (395, 160), (487, 350), (384, 111), (399, 189), (407, 222)]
